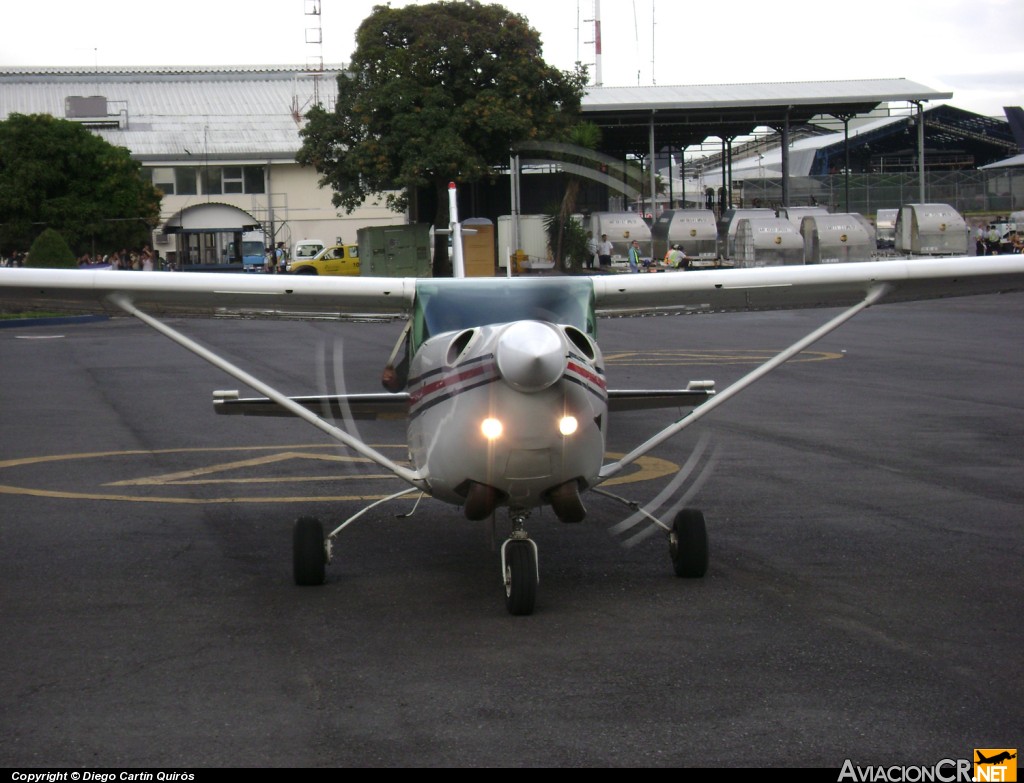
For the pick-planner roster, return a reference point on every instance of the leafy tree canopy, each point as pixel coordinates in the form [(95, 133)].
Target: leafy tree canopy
[(55, 173), (436, 93)]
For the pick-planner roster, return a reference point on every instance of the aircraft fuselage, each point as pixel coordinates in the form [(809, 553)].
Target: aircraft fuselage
[(517, 407)]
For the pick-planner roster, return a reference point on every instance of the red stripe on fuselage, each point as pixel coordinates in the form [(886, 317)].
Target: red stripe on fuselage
[(586, 374), (446, 382)]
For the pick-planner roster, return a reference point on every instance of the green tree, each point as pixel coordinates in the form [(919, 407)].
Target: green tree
[(55, 173), (436, 93), (568, 239), (50, 250)]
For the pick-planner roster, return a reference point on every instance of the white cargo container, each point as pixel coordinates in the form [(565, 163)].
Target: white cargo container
[(767, 241), (835, 239), (533, 240), (694, 230), (796, 215), (931, 230), (729, 222), (622, 228), (885, 228)]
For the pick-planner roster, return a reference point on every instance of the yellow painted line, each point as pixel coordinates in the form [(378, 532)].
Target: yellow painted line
[(265, 480), (183, 477), (204, 450), (650, 468), (646, 469), (47, 493)]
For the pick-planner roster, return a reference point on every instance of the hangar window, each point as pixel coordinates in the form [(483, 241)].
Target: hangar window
[(163, 179)]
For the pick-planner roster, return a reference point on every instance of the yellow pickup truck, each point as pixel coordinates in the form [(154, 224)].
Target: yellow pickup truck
[(333, 260)]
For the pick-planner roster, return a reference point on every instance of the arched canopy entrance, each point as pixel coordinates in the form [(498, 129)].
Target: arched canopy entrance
[(216, 237)]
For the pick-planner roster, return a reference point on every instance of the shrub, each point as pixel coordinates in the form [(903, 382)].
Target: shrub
[(50, 250)]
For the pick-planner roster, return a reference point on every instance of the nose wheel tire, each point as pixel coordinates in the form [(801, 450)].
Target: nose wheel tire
[(520, 558), (688, 544), (309, 554)]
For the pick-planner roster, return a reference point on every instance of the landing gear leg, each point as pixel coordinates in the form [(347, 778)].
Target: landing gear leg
[(519, 569)]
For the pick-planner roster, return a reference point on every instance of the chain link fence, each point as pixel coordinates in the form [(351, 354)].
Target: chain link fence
[(968, 192)]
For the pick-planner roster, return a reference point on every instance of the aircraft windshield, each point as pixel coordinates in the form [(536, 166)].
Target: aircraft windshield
[(447, 305)]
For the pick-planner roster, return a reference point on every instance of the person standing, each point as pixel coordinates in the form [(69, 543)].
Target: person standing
[(634, 256), (604, 251)]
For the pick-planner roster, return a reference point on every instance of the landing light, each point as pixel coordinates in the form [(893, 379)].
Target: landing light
[(567, 425), (491, 428)]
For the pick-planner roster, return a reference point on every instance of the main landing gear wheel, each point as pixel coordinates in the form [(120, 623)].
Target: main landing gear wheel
[(309, 555), (520, 576), (688, 544)]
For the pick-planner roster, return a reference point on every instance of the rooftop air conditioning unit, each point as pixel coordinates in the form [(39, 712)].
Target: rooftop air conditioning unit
[(81, 106)]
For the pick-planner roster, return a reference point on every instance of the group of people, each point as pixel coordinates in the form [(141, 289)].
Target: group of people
[(145, 260), (675, 258), (600, 253), (275, 260), (16, 258), (991, 241)]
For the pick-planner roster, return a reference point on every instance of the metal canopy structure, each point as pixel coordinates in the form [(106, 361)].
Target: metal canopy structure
[(682, 116), (639, 121)]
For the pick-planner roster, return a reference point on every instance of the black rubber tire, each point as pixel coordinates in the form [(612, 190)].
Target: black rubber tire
[(520, 578), (309, 557), (304, 270), (688, 544)]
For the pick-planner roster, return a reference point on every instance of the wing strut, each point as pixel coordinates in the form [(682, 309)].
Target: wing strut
[(612, 468), (410, 476)]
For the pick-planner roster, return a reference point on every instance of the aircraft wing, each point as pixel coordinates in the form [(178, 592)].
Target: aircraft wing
[(821, 285), (713, 290), (208, 292)]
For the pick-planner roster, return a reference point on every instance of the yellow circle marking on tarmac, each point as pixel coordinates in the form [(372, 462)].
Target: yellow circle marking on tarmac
[(274, 458)]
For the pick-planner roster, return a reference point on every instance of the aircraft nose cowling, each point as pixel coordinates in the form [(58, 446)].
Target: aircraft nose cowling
[(530, 356)]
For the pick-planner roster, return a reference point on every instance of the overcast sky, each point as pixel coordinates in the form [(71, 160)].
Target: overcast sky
[(972, 48)]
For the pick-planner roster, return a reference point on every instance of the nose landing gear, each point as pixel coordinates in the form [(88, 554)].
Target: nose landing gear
[(519, 568)]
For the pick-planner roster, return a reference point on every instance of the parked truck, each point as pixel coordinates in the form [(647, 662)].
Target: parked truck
[(249, 247)]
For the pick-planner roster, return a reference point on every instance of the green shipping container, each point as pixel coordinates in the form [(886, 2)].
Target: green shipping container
[(395, 251)]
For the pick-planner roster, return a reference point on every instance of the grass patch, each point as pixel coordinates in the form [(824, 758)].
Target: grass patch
[(8, 316)]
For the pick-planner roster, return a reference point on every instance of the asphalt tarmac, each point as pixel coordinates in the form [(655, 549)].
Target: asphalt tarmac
[(864, 600)]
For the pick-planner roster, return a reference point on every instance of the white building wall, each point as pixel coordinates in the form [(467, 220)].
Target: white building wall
[(294, 208), (302, 210)]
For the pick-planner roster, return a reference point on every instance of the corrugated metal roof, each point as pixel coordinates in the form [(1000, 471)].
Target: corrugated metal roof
[(178, 113), (1017, 161), (717, 96)]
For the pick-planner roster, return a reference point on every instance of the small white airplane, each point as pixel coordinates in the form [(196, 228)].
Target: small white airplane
[(502, 379)]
